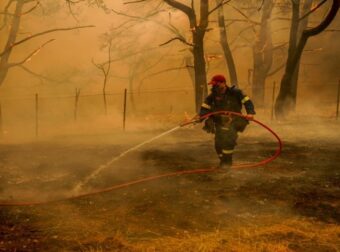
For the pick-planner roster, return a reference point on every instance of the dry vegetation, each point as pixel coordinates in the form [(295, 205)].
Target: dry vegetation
[(290, 205)]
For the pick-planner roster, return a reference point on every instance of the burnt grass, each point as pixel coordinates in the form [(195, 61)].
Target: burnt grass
[(302, 184)]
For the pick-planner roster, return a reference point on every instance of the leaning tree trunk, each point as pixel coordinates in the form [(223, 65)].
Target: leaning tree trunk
[(302, 26), (262, 55), (225, 46), (285, 100), (14, 29)]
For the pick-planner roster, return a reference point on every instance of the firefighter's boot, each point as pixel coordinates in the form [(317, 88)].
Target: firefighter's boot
[(226, 162)]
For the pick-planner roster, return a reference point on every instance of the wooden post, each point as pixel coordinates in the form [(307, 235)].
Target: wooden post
[(337, 102), (105, 102), (273, 102), (36, 116), (76, 103), (1, 128), (124, 111), (250, 72)]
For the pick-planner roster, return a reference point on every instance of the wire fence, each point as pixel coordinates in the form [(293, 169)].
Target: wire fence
[(34, 114)]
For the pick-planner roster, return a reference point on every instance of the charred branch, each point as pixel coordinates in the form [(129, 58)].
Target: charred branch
[(31, 55), (161, 72), (325, 23), (43, 33), (133, 2), (245, 16), (275, 70), (31, 9), (185, 9), (176, 38), (233, 20), (136, 17), (313, 9), (6, 14), (40, 76), (69, 5), (219, 6)]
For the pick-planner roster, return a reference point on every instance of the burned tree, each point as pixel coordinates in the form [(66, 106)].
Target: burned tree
[(286, 99), (13, 21), (14, 28), (225, 45), (198, 30), (262, 54), (260, 41), (105, 70)]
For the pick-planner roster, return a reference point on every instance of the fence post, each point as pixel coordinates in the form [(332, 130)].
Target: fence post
[(124, 111), (76, 103), (105, 102), (250, 72), (273, 101), (337, 102), (1, 128), (36, 115)]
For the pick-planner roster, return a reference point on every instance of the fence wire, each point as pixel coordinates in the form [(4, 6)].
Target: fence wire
[(35, 112)]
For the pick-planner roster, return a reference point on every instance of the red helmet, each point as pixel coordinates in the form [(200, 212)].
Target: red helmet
[(217, 79)]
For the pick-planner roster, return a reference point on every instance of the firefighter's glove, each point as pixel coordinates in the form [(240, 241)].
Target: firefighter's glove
[(209, 126), (240, 124)]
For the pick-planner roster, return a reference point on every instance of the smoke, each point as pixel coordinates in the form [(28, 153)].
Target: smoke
[(75, 142)]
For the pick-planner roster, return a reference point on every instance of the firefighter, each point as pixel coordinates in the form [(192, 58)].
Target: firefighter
[(225, 127)]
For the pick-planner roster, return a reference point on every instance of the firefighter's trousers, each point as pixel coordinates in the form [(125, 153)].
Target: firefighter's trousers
[(225, 142)]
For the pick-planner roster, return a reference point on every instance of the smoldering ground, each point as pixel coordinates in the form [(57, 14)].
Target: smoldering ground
[(282, 205)]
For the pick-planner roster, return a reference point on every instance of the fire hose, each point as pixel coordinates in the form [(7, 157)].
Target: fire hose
[(171, 174)]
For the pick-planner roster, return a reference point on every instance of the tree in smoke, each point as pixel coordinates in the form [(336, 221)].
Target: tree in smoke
[(258, 36), (105, 70), (262, 54), (198, 30), (225, 44), (13, 12), (286, 99)]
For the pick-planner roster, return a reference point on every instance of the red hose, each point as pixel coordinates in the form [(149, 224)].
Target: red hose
[(172, 174), (263, 162)]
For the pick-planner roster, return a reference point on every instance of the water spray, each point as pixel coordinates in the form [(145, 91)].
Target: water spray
[(156, 177), (79, 186)]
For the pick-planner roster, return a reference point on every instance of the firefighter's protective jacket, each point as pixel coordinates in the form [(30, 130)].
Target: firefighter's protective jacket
[(231, 100)]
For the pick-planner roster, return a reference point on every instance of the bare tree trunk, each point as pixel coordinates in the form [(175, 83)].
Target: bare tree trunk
[(190, 68), (259, 81), (285, 100), (262, 55), (225, 46), (199, 66), (198, 32), (14, 29), (302, 26), (105, 101)]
